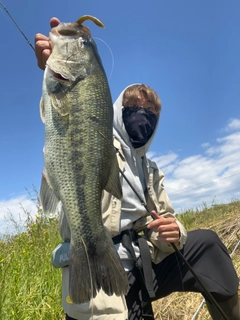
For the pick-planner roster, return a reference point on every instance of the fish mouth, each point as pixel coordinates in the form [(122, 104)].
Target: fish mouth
[(58, 76), (70, 30)]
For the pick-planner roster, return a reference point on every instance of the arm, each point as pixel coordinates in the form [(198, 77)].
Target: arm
[(165, 228)]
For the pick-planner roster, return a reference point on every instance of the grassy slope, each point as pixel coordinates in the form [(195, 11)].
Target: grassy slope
[(225, 220), (30, 288)]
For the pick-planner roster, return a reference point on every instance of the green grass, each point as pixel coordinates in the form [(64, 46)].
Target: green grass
[(30, 287)]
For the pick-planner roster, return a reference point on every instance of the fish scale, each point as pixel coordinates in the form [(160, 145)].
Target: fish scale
[(79, 159)]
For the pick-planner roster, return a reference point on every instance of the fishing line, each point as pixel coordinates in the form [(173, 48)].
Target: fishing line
[(6, 10), (110, 53)]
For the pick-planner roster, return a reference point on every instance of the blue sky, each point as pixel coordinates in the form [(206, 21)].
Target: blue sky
[(188, 51)]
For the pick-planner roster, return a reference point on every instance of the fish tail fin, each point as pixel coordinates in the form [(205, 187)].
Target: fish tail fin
[(95, 267)]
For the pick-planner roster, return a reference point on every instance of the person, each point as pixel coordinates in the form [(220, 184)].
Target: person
[(144, 244)]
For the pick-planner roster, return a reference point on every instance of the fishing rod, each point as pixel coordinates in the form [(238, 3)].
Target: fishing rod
[(6, 10), (207, 293)]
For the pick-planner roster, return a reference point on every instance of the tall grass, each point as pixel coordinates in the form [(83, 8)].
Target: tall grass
[(30, 287)]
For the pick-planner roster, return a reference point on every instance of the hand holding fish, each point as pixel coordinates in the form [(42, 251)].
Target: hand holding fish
[(167, 228), (42, 45)]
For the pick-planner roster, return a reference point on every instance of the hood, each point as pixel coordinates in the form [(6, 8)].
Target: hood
[(119, 130)]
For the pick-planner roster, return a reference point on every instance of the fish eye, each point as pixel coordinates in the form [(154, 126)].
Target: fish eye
[(86, 42)]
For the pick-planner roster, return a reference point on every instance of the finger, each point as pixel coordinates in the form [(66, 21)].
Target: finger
[(42, 52), (164, 232), (169, 236), (45, 55), (169, 239), (165, 221), (161, 221), (40, 37), (42, 56), (54, 22), (155, 215)]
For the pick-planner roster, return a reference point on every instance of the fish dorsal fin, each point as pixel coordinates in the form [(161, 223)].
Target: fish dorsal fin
[(114, 185)]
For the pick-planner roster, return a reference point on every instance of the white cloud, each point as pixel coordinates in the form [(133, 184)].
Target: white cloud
[(15, 212), (233, 124), (164, 160), (205, 178), (167, 161), (205, 145)]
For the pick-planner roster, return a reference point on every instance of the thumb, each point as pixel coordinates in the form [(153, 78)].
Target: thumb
[(54, 22)]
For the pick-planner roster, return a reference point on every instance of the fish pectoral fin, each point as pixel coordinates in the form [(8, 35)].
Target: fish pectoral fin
[(42, 110), (60, 103), (48, 198), (113, 185)]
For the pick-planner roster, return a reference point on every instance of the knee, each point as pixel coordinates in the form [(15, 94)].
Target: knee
[(206, 236), (210, 236)]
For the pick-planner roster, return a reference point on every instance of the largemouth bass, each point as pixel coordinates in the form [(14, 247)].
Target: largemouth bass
[(79, 158)]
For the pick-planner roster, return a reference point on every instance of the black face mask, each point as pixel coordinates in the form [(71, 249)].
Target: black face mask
[(139, 123)]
